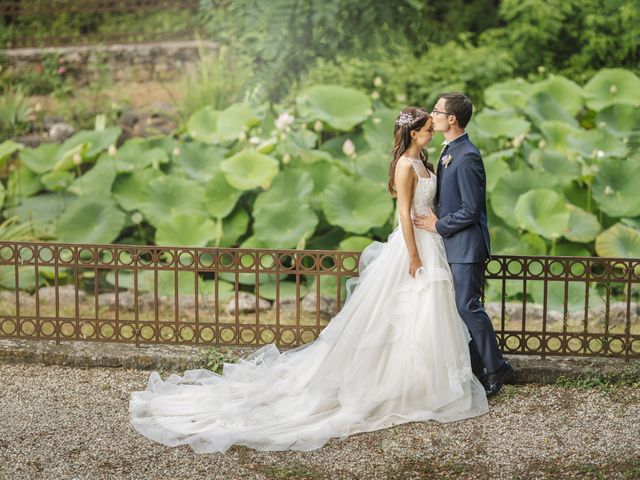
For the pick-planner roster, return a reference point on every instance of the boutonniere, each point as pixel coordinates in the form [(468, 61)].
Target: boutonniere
[(446, 160)]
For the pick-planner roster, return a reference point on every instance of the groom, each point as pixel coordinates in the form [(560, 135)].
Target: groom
[(462, 222)]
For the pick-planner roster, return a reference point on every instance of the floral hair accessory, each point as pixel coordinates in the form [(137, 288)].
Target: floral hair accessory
[(405, 119)]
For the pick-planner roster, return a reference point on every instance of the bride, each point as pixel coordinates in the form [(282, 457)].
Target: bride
[(397, 352)]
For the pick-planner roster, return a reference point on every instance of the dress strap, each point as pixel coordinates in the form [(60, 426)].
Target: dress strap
[(419, 167)]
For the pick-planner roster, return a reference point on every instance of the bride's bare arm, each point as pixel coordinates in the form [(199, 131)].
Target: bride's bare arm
[(404, 182)]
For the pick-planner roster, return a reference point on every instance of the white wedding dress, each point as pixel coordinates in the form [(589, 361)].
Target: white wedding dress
[(397, 352)]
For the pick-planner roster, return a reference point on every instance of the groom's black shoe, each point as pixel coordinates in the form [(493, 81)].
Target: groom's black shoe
[(494, 381)]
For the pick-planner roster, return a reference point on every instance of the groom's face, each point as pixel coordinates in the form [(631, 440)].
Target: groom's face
[(441, 117)]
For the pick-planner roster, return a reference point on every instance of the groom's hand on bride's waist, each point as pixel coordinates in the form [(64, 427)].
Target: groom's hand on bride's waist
[(425, 222)]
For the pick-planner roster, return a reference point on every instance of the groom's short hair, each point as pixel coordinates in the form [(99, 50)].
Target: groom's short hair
[(459, 105)]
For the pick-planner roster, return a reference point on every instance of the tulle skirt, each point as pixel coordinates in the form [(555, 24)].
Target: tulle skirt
[(397, 352)]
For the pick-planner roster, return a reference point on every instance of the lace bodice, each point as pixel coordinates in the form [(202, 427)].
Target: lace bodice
[(425, 192)]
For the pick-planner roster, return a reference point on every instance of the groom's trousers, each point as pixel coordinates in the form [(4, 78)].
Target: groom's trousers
[(468, 278)]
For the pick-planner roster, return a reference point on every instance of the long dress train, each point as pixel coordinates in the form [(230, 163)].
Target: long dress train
[(397, 352)]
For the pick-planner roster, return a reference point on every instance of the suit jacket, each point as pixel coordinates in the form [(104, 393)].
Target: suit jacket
[(461, 204)]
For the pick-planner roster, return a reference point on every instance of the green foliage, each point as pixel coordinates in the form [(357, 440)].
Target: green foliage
[(214, 358)]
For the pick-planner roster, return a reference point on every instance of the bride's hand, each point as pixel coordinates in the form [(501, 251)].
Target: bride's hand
[(414, 264)]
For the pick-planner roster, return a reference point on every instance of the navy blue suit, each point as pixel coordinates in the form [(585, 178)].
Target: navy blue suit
[(462, 212)]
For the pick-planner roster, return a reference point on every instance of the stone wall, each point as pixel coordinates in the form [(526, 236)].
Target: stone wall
[(131, 63)]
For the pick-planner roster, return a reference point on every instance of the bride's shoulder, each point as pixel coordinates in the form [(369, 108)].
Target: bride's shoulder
[(404, 163)]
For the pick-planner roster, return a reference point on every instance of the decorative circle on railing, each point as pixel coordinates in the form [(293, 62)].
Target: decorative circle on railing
[(620, 270), (267, 335), (186, 258), (512, 343), (167, 332), (535, 268), (248, 334), (107, 256), (553, 343), (226, 260), (617, 346), (228, 334), (87, 330), (86, 256), (147, 332), (578, 269), (186, 333), (309, 262), (206, 259), (7, 326), (45, 254), (598, 269), (127, 331), (247, 260), (595, 346), (515, 266), (349, 263), (308, 336), (267, 261), (286, 262), (7, 253), (494, 267), (557, 268), (47, 329), (145, 258), (207, 334), (28, 328), (287, 336), (575, 344), (328, 263), (532, 343), (125, 257), (107, 330), (27, 254)]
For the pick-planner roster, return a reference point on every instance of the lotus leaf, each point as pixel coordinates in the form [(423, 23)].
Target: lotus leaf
[(189, 230), (248, 169), (97, 181), (378, 130), (322, 173), (505, 123), (57, 180), (563, 168), (198, 160), (544, 212), (129, 189), (8, 148), (220, 197), (90, 220), (291, 186), (136, 154), (612, 85), (555, 295), (594, 143), (620, 119), (544, 107), (569, 95), (619, 241), (234, 227), (509, 94), (354, 244), (571, 250), (374, 165), (340, 107), (281, 226), (583, 226), (26, 278), (88, 143), (356, 204), (43, 211), (509, 188), (41, 159), (287, 291), (496, 167), (233, 120), (165, 195), (202, 125), (615, 187), (23, 183)]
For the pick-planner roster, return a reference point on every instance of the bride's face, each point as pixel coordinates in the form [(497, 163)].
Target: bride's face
[(423, 136)]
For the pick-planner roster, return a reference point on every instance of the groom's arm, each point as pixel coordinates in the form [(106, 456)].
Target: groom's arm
[(471, 181)]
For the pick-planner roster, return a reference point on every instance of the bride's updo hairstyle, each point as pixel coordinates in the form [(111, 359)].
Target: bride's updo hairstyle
[(410, 119)]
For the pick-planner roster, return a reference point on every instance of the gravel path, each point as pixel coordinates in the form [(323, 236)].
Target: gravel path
[(64, 423)]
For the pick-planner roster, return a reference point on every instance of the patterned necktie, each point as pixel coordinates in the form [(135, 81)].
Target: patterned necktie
[(439, 172)]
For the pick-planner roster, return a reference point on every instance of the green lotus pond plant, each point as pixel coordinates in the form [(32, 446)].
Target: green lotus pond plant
[(561, 159)]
